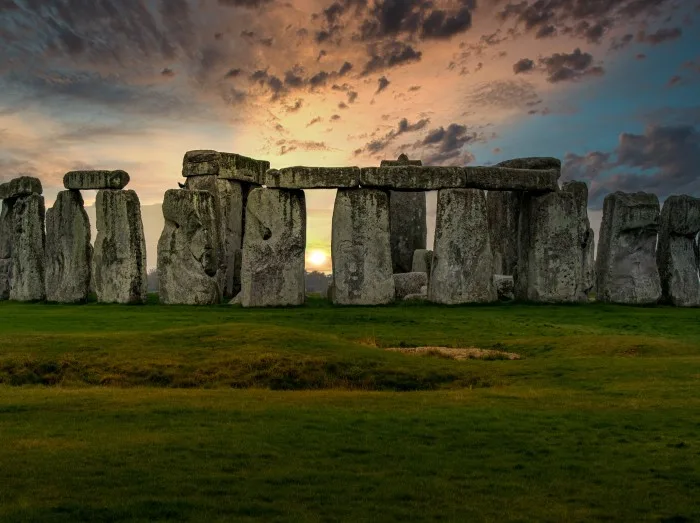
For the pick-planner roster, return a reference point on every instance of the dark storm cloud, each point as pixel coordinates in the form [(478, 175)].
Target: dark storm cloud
[(391, 54), (403, 127), (446, 145), (562, 67)]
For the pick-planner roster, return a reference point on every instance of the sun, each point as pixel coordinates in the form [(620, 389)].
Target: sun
[(317, 258)]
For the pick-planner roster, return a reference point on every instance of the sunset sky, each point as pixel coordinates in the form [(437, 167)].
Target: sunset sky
[(609, 86)]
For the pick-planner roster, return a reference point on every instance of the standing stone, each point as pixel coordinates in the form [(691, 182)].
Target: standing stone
[(273, 248), (188, 249), (549, 266), (462, 259), (409, 283), (422, 261), (119, 258), (503, 216), (626, 265), (68, 249), (229, 203), (361, 248), (28, 241), (505, 287), (586, 236), (6, 228), (675, 255)]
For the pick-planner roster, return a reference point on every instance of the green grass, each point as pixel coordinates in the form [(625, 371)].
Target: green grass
[(155, 413)]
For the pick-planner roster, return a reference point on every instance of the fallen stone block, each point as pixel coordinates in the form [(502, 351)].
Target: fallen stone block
[(312, 177), (95, 180), (18, 187), (409, 283), (422, 261), (416, 297)]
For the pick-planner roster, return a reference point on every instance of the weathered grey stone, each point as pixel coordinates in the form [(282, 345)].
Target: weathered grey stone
[(313, 177), (675, 252), (533, 162), (6, 231), (361, 248), (226, 165), (509, 179), (68, 250), (416, 297), (86, 180), (28, 241), (119, 257), (273, 248), (462, 259), (505, 287), (409, 283), (229, 204), (188, 249), (586, 236), (18, 187), (503, 209), (549, 249), (200, 163), (422, 261), (408, 227), (626, 270)]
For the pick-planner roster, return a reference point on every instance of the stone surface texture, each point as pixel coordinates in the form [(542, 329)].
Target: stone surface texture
[(68, 250), (511, 179), (533, 162), (675, 254), (462, 259), (188, 249), (313, 177), (119, 256), (18, 187), (28, 249), (422, 261), (409, 283), (586, 236), (408, 227), (549, 268), (6, 229), (361, 248), (626, 270), (273, 248), (505, 287), (402, 160), (96, 180), (503, 209), (225, 165)]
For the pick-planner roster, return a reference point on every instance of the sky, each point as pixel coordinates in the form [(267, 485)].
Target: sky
[(609, 86)]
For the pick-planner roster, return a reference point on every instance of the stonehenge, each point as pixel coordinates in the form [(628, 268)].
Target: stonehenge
[(235, 232)]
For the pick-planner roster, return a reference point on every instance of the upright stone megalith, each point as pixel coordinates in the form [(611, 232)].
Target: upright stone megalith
[(274, 245), (68, 250), (675, 255), (188, 249), (549, 266), (586, 236), (28, 243), (626, 270), (361, 248), (462, 258), (503, 209), (119, 258), (6, 229)]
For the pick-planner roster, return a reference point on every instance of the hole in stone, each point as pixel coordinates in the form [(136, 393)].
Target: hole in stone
[(267, 234)]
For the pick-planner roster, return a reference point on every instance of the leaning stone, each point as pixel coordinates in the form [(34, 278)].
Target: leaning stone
[(408, 226), (422, 261), (503, 208), (505, 287), (85, 180), (18, 187), (273, 248), (462, 259), (6, 232), (549, 250), (188, 249), (533, 162), (119, 257), (626, 268), (312, 177), (409, 283), (361, 248), (68, 250), (675, 254), (509, 179), (586, 236), (28, 241), (412, 177), (238, 167)]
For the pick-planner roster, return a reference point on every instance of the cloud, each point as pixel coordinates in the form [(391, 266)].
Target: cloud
[(403, 127), (504, 94), (392, 54), (383, 84), (524, 65), (445, 145), (660, 36), (561, 67)]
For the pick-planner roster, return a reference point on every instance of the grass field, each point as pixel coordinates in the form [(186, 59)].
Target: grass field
[(150, 413)]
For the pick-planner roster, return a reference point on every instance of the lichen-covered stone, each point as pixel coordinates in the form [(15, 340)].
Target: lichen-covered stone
[(586, 236), (200, 163), (68, 250), (6, 228), (28, 243), (18, 187), (549, 249), (313, 177), (409, 177), (675, 253), (95, 180), (229, 166), (361, 248), (119, 257), (422, 261), (274, 245), (408, 227), (505, 287), (503, 208), (416, 297), (188, 249), (533, 162), (409, 283), (510, 179), (462, 259), (626, 268)]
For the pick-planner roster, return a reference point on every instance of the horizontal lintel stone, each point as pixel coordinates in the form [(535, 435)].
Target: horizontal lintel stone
[(228, 166), (508, 179), (313, 177), (412, 177), (532, 162), (18, 187), (96, 180)]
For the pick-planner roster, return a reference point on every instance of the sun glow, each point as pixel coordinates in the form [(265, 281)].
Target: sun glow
[(317, 258)]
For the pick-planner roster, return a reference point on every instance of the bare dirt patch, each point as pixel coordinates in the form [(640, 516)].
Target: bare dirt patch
[(468, 353)]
